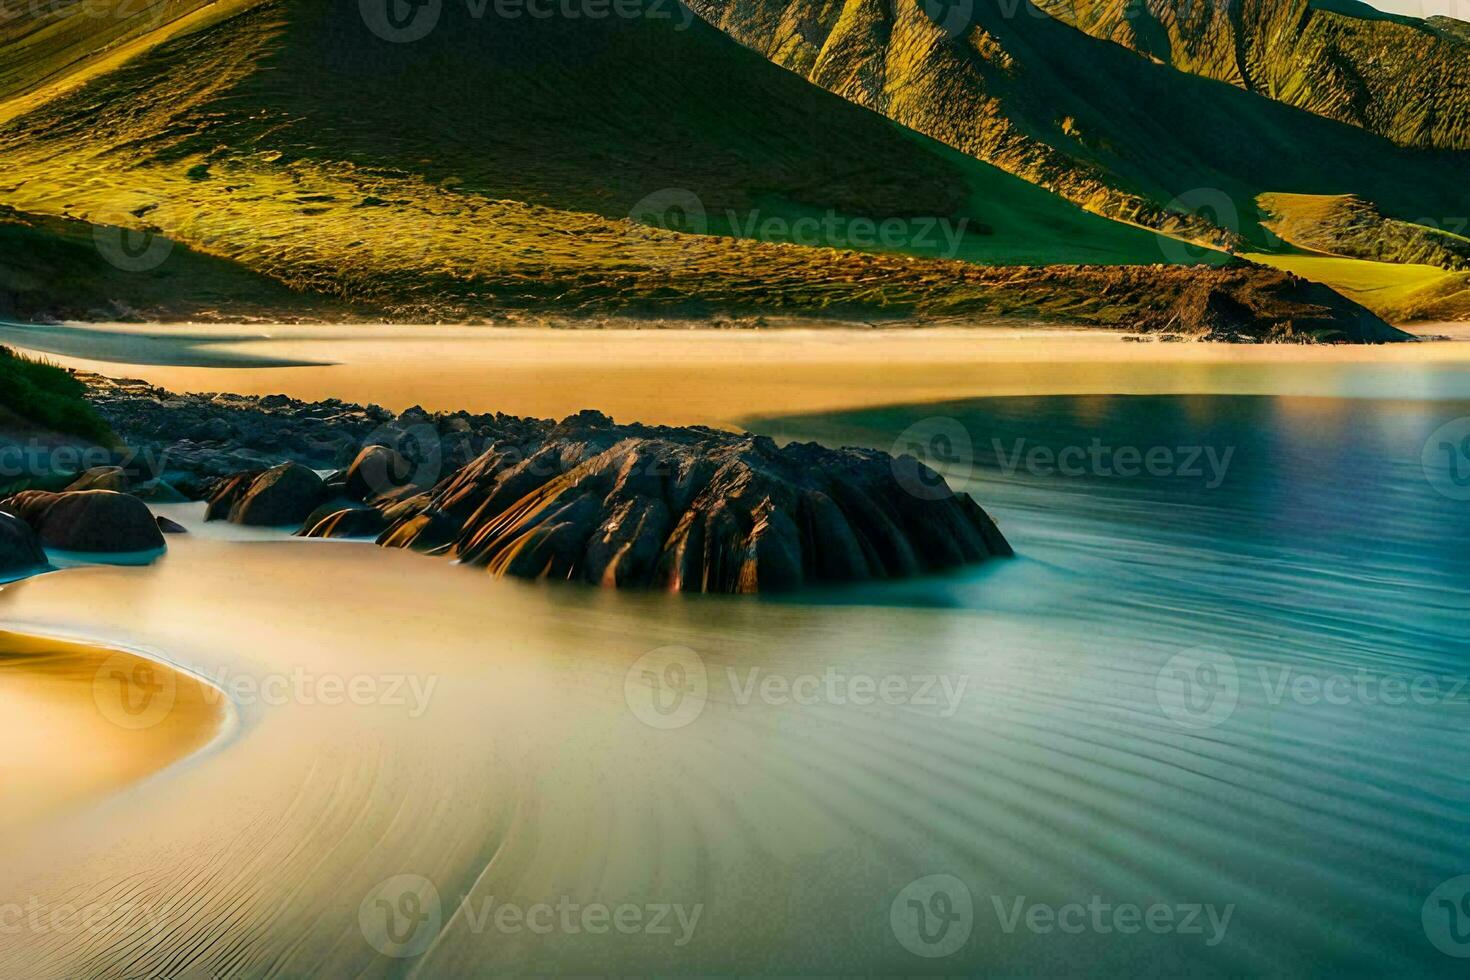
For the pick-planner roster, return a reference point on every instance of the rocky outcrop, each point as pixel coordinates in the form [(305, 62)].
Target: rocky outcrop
[(585, 499), (1256, 304), (100, 521), (20, 548), (681, 509)]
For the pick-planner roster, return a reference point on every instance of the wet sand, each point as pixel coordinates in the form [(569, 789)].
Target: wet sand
[(719, 377), (79, 722)]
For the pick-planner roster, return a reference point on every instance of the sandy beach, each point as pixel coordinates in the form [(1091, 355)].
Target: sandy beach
[(714, 377), (80, 722)]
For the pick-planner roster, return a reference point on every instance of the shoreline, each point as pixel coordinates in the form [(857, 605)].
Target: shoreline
[(123, 715), (720, 378)]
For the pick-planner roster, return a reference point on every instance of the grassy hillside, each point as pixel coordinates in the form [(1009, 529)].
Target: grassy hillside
[(495, 163), (1398, 77), (48, 397)]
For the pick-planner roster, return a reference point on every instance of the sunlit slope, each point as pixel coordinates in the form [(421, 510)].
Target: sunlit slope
[(52, 47), (1397, 292), (495, 162), (1400, 77), (1342, 224), (1090, 119)]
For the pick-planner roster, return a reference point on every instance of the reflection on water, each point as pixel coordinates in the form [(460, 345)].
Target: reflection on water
[(1192, 729)]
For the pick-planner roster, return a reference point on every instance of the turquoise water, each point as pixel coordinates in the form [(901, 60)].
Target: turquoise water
[(1211, 721), (1308, 571)]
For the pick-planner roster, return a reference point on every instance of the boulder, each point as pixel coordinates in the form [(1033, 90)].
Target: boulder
[(102, 521), (226, 493), (101, 478), (283, 495), (376, 471), (20, 548)]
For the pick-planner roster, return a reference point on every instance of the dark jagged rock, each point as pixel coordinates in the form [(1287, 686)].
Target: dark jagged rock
[(102, 521), (168, 526), (282, 495), (20, 548), (692, 510)]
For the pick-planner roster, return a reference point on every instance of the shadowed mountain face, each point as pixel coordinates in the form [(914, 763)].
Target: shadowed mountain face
[(1090, 119), (1402, 78)]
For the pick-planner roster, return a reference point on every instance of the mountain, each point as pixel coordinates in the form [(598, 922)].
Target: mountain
[(1400, 77), (1119, 133), (494, 164)]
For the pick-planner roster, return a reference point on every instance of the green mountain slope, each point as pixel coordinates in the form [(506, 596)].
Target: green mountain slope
[(1399, 77), (495, 162)]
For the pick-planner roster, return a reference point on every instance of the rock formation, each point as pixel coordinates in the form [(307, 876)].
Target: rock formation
[(681, 509), (101, 521)]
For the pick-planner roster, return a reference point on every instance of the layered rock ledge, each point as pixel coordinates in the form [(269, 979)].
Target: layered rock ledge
[(585, 499)]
